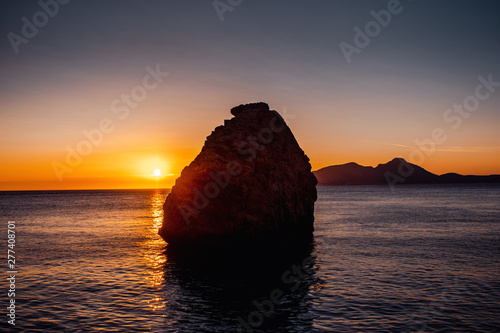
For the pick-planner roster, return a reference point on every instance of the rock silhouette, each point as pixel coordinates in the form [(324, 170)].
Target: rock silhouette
[(250, 181)]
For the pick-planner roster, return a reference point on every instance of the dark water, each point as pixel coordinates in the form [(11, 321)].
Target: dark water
[(421, 259)]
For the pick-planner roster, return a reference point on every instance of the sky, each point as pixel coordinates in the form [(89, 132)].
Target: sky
[(99, 94)]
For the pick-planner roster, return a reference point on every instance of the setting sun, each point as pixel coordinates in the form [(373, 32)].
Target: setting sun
[(157, 172)]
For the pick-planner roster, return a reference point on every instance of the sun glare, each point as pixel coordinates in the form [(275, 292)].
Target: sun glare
[(157, 172)]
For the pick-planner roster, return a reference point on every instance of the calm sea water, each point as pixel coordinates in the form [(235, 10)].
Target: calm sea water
[(421, 259)]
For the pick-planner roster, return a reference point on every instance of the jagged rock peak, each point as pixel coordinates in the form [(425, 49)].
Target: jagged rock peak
[(260, 106)]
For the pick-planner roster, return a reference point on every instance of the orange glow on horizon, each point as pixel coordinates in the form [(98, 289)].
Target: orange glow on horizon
[(153, 171), (124, 161), (112, 171)]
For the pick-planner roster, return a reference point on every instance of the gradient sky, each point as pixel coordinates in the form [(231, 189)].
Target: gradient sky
[(286, 53)]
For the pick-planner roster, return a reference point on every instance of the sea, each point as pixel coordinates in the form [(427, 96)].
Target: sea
[(415, 258)]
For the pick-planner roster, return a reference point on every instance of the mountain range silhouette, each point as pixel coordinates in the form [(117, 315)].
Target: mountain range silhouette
[(397, 171)]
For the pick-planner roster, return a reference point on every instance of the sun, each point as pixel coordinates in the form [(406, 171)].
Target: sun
[(157, 172)]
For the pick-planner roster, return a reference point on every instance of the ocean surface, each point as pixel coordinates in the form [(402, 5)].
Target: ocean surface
[(419, 259)]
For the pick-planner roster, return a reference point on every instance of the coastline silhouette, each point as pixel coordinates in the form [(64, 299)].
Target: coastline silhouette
[(397, 169)]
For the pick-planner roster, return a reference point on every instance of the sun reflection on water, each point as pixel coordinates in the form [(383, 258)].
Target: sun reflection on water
[(153, 249)]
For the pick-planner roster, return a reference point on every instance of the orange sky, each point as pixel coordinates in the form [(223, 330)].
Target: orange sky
[(127, 157), (167, 130), (74, 79)]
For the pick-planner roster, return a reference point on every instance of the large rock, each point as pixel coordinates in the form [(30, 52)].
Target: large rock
[(251, 180)]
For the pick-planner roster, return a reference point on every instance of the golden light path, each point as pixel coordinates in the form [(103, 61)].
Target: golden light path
[(152, 246)]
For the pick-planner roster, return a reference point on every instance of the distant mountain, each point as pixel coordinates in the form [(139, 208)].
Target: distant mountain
[(397, 171)]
